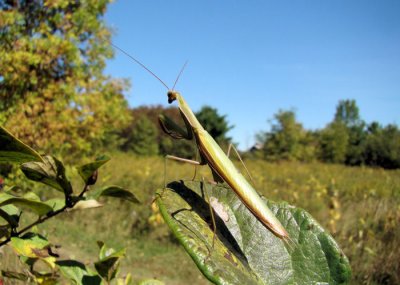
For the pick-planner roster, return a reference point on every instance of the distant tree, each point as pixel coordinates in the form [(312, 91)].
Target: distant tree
[(53, 93), (333, 143), (287, 139), (382, 146), (142, 139), (215, 124), (348, 114)]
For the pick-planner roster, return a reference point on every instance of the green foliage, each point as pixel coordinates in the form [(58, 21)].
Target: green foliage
[(53, 93), (287, 139), (143, 138), (334, 140), (18, 230), (347, 139), (215, 124), (358, 205), (382, 146), (13, 150), (347, 113), (244, 251), (88, 172)]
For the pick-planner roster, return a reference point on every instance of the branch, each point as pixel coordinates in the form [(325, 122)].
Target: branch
[(47, 216)]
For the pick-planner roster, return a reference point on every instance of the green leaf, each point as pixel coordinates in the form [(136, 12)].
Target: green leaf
[(27, 201), (55, 203), (86, 171), (50, 172), (14, 150), (115, 191), (108, 264), (10, 213), (33, 246), (245, 251), (78, 272)]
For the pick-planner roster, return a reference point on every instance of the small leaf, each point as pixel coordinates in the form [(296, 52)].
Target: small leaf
[(31, 245), (244, 250), (14, 150), (78, 272), (50, 172), (115, 191), (106, 252), (86, 171), (56, 204), (87, 204), (10, 213), (108, 265), (38, 207)]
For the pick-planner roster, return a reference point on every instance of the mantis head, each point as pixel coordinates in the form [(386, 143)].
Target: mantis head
[(172, 95)]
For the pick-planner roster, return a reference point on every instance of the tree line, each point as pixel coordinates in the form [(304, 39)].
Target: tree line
[(346, 140)]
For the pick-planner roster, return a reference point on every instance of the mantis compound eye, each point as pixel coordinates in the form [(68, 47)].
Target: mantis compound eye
[(172, 96)]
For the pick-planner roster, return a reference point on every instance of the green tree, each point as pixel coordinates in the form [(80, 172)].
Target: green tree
[(215, 124), (333, 142), (382, 147), (287, 139), (53, 93), (348, 114), (142, 139)]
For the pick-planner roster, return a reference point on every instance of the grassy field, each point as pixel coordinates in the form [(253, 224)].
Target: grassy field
[(359, 206)]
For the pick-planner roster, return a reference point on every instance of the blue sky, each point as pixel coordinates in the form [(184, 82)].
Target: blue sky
[(250, 59)]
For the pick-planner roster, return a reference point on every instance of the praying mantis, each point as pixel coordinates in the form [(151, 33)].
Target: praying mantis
[(212, 155)]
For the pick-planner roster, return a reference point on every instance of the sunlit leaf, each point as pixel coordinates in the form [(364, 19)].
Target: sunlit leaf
[(245, 251), (87, 204), (78, 272), (108, 264), (86, 171), (32, 204), (116, 192), (50, 172), (33, 246), (56, 204), (10, 213), (14, 150)]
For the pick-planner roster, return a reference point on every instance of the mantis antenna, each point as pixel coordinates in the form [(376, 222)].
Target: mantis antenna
[(144, 66), (179, 75)]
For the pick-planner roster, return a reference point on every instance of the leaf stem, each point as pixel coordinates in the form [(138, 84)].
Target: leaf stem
[(70, 203)]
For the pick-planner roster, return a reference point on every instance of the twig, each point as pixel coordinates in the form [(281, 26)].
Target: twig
[(49, 215)]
